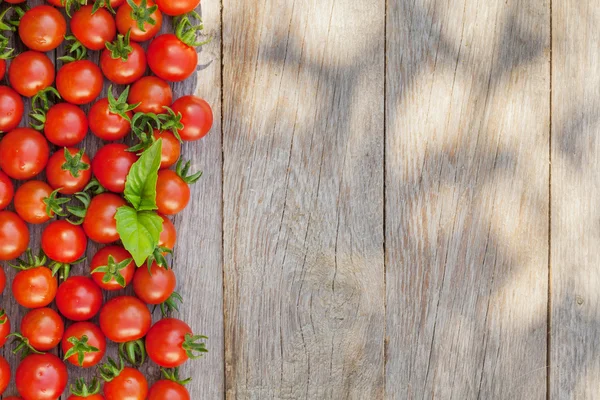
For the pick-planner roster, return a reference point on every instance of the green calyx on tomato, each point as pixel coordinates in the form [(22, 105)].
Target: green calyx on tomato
[(183, 170), (40, 104), (76, 51), (188, 32), (121, 47), (63, 269), (30, 261), (22, 345), (82, 389), (172, 374), (193, 346), (133, 352), (111, 369), (98, 4), (113, 269), (142, 14), (6, 52), (158, 256), (171, 304), (81, 347), (143, 126), (73, 163), (3, 317), (70, 4), (171, 122), (54, 204), (119, 106), (85, 198), (11, 23)]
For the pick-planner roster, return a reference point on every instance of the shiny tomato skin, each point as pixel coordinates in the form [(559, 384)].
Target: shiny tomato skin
[(168, 390), (124, 72), (7, 190), (29, 201), (164, 342), (24, 153), (175, 8), (4, 329), (154, 285), (99, 223), (130, 384), (66, 125), (30, 72), (111, 166), (93, 30), (43, 327), (59, 178), (14, 235), (168, 236), (95, 339), (79, 298), (152, 93), (196, 117), (125, 22), (34, 288), (125, 318), (41, 377), (170, 150), (64, 242), (42, 28), (106, 125), (172, 193), (79, 82), (118, 254), (11, 109), (4, 374), (171, 59)]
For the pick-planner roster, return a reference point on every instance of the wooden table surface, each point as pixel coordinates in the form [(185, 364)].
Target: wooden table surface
[(400, 200)]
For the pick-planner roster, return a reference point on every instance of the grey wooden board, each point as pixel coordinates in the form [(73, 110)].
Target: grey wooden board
[(467, 112)]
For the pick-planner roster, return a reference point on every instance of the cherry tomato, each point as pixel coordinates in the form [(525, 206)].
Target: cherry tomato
[(43, 328), (66, 125), (4, 327), (42, 28), (99, 222), (171, 148), (171, 59), (69, 176), (30, 72), (196, 117), (24, 153), (111, 166), (168, 390), (2, 280), (124, 319), (154, 285), (14, 235), (4, 374), (177, 7), (7, 190), (168, 236), (41, 377), (127, 19), (29, 201), (152, 93), (11, 109), (79, 82), (93, 338), (106, 125), (64, 242), (35, 287), (165, 342), (172, 193), (123, 64), (79, 298), (130, 384), (93, 30), (112, 266)]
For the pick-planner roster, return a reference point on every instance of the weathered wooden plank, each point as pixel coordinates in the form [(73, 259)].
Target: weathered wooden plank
[(303, 199), (467, 199), (575, 331)]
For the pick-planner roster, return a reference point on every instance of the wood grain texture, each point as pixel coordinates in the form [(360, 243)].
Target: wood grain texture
[(303, 199), (467, 199), (575, 333)]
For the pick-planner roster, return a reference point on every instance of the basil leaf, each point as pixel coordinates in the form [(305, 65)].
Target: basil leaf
[(139, 232), (140, 187)]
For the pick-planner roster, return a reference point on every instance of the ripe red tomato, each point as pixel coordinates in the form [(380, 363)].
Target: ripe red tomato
[(42, 28), (93, 30), (152, 93), (41, 377), (64, 242), (124, 319), (4, 327), (170, 150), (105, 124), (168, 390), (171, 59), (114, 268), (172, 193), (168, 236), (79, 82), (43, 328), (30, 72), (14, 235), (130, 384), (154, 285), (74, 339), (4, 374), (35, 287), (70, 176), (123, 62), (24, 153), (177, 7), (127, 19), (99, 222), (111, 166), (7, 190), (79, 298), (196, 117), (165, 343), (11, 109), (29, 201), (66, 125)]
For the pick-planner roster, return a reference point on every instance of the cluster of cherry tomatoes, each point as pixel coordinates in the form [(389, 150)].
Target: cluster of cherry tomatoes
[(120, 197)]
